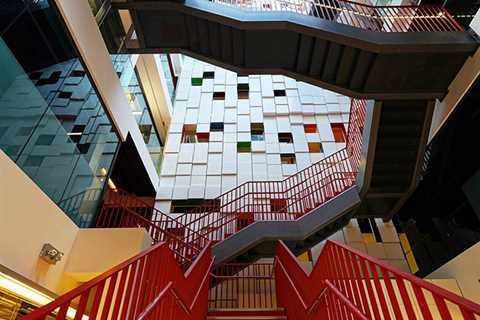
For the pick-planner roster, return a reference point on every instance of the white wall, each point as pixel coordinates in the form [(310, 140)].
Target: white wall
[(28, 219), (465, 268), (207, 169)]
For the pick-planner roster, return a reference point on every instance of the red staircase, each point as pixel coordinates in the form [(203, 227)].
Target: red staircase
[(347, 284), (219, 218), (150, 285), (344, 284)]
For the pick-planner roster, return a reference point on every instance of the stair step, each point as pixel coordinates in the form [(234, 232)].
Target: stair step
[(244, 314)]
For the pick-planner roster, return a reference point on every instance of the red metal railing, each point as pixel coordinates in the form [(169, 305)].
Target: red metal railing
[(121, 209), (148, 286), (243, 286), (346, 284), (281, 200), (411, 18), (252, 201)]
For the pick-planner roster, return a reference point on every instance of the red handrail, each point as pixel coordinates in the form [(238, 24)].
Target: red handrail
[(296, 195), (121, 209), (245, 204), (361, 287), (243, 286), (148, 286), (409, 18)]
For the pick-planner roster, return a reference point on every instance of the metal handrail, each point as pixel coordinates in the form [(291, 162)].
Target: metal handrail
[(149, 275), (398, 18), (302, 191), (362, 284)]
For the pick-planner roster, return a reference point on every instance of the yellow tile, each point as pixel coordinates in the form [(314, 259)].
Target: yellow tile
[(368, 238), (304, 257), (405, 243), (412, 263)]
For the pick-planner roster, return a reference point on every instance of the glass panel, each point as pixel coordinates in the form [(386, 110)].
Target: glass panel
[(129, 81), (51, 121), (168, 76)]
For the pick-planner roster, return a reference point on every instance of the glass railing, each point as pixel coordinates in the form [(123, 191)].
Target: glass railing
[(52, 123)]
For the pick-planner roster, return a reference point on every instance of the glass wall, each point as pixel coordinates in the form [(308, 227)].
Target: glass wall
[(168, 75), (129, 81), (52, 123)]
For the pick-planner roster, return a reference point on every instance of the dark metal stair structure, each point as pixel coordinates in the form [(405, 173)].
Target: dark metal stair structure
[(394, 140), (355, 60), (394, 147), (403, 68)]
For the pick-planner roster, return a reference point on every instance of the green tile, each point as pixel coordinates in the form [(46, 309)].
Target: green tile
[(244, 144), (197, 81)]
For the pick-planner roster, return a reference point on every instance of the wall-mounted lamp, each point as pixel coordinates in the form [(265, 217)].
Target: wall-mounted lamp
[(50, 254)]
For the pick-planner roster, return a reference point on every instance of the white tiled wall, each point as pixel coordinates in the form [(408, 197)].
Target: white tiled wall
[(207, 169)]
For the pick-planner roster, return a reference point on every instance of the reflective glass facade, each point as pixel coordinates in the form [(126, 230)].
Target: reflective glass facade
[(129, 81), (52, 124), (168, 76)]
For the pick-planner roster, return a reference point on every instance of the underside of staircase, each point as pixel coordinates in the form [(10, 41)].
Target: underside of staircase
[(353, 61), (401, 59)]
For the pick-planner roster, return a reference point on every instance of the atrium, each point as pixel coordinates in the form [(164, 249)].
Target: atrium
[(239, 159)]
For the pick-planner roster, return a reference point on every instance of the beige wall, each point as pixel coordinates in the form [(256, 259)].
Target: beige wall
[(96, 250), (466, 270), (28, 219)]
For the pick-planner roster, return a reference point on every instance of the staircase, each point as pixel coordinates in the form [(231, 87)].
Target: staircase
[(344, 284), (303, 210), (362, 51), (396, 146)]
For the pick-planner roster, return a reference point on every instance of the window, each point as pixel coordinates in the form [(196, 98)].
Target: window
[(146, 131), (64, 95), (45, 139), (288, 158), (339, 133), (77, 131), (279, 93), (244, 146), (278, 205), (257, 131), (216, 127), (185, 206), (310, 128), (242, 90), (315, 147), (77, 73), (203, 136), (189, 133), (208, 75), (285, 137), (220, 95)]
